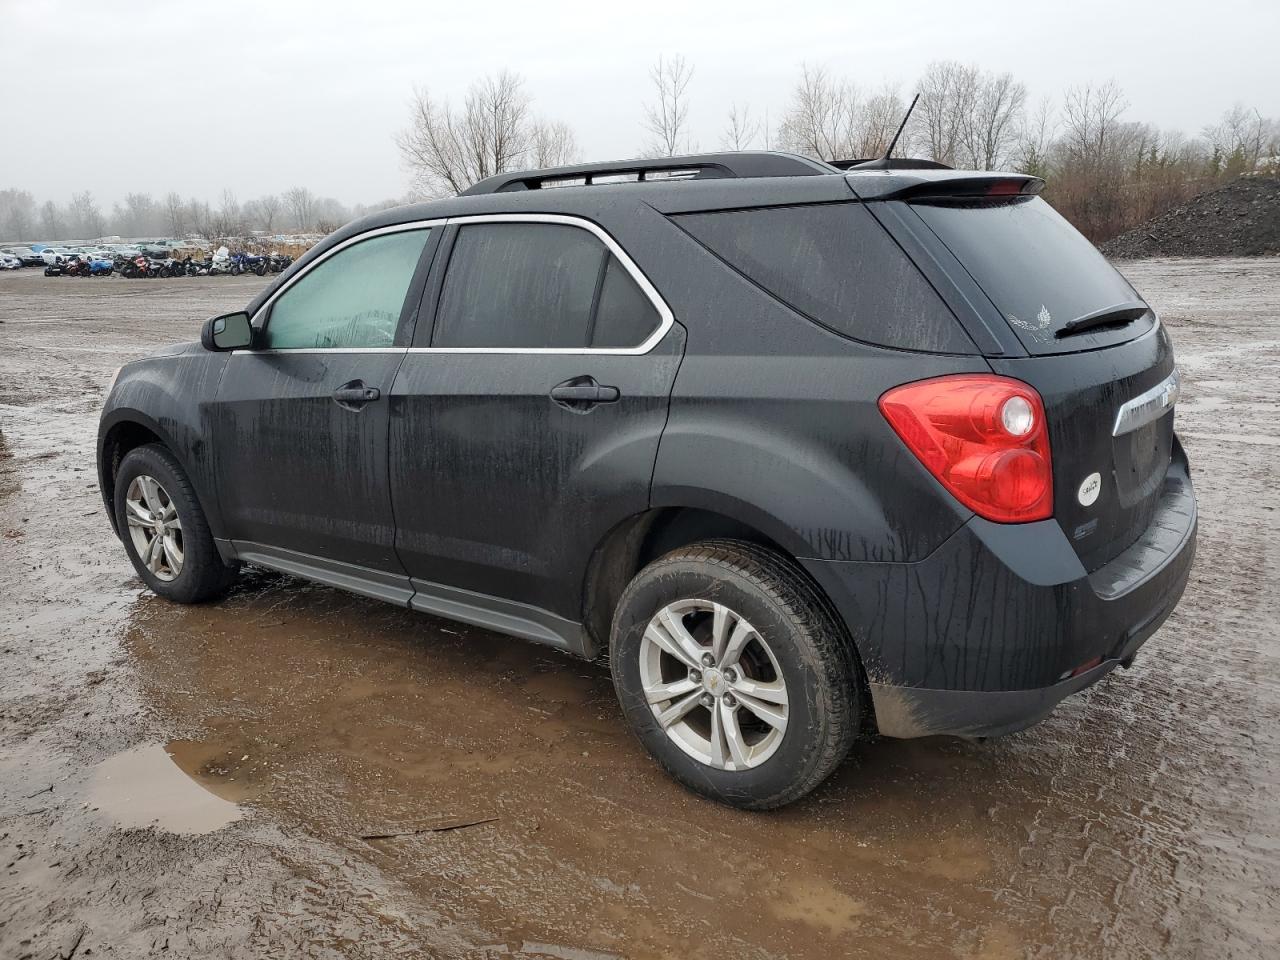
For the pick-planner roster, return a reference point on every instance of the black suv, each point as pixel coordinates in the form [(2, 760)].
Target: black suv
[(809, 453)]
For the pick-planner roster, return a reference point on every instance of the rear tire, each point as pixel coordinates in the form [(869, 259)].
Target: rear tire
[(157, 512), (765, 703)]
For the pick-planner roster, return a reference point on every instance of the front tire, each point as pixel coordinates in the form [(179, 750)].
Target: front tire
[(733, 673), (164, 530)]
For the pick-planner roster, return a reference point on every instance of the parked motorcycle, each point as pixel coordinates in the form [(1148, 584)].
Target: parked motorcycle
[(171, 267), (248, 263), (140, 266), (76, 267), (279, 262), (101, 268), (221, 262)]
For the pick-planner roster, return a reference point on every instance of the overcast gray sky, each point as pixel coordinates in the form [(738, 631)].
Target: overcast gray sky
[(258, 97)]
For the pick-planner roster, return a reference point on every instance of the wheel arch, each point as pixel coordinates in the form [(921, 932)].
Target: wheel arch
[(640, 539), (125, 430)]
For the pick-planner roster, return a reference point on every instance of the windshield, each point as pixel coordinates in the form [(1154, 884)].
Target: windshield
[(1038, 270)]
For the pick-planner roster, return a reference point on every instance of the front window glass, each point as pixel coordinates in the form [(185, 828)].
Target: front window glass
[(352, 299)]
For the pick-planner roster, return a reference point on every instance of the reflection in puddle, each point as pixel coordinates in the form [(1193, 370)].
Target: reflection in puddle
[(146, 786)]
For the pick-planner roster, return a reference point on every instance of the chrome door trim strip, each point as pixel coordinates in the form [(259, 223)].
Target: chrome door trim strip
[(1148, 406)]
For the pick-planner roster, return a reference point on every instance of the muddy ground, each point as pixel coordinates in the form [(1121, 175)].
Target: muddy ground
[(298, 772)]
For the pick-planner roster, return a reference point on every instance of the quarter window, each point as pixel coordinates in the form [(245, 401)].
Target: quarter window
[(624, 315), (538, 285), (836, 265), (352, 299)]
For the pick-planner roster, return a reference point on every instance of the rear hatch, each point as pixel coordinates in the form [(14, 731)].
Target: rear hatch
[(1098, 355)]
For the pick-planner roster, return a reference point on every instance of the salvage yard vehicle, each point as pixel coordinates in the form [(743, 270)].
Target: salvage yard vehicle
[(27, 256), (808, 453)]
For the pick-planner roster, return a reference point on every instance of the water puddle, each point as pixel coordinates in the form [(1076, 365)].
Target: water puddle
[(150, 786)]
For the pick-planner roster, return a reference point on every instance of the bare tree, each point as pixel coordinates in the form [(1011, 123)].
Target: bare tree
[(1091, 123), (202, 219), (1036, 133), (229, 217), (948, 91), (875, 123), (742, 131), (330, 214), (819, 118), (139, 217), (268, 211), (992, 125), (1094, 158), (301, 206), (50, 220), (667, 120), (175, 212), (17, 214), (86, 216), (1241, 139), (552, 144), (448, 150)]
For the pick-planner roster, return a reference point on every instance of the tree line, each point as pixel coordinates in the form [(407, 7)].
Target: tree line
[(1106, 172), (297, 210)]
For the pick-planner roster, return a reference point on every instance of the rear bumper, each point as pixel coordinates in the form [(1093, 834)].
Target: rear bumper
[(991, 631)]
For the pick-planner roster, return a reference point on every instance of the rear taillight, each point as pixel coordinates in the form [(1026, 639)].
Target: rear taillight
[(984, 437)]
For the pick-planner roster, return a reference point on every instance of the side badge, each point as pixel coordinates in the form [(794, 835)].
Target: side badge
[(1089, 489)]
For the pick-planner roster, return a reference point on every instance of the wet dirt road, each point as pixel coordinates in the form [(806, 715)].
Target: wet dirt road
[(298, 772)]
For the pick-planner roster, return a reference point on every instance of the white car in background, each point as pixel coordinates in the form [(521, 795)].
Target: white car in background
[(9, 262), (52, 255)]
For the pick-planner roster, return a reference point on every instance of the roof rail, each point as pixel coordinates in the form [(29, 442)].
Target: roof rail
[(895, 163), (697, 166)]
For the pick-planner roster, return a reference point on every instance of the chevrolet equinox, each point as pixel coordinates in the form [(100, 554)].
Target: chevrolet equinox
[(807, 452)]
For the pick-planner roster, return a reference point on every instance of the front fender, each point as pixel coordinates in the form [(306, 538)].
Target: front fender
[(164, 396)]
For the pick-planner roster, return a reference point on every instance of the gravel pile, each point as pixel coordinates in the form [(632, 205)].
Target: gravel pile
[(1240, 219)]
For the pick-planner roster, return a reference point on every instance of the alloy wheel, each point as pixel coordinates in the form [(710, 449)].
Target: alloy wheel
[(154, 527), (713, 684)]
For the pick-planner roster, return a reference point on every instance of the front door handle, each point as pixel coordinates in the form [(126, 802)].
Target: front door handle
[(355, 394), (583, 393)]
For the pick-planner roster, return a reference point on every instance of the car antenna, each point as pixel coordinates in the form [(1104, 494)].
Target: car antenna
[(882, 163)]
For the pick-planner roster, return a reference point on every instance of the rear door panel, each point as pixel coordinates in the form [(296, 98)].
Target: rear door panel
[(498, 489)]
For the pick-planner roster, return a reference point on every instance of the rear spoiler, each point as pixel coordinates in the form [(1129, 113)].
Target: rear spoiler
[(923, 185)]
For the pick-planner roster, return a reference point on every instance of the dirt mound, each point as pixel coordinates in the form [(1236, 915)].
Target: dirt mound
[(1240, 219)]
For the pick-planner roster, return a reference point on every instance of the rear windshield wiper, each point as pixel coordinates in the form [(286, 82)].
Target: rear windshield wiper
[(1116, 315)]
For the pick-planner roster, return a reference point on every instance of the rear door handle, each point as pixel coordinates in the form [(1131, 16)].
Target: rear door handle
[(356, 393), (582, 393)]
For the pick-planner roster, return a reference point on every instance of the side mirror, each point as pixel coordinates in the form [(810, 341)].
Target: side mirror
[(231, 331)]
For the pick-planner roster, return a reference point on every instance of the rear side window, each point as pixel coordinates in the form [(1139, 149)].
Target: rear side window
[(836, 265), (519, 285)]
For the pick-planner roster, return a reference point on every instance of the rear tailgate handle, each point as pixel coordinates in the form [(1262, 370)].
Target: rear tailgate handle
[(583, 392)]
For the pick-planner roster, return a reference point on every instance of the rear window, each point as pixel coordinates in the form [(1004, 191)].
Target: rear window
[(836, 265), (1037, 269)]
